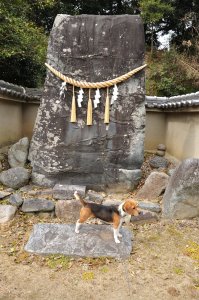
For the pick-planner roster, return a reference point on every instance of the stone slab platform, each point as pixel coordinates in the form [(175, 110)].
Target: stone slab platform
[(92, 241)]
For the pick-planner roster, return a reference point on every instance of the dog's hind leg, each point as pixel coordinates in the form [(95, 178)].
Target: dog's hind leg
[(85, 214)]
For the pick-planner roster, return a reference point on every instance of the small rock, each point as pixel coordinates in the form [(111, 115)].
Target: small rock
[(154, 185), (160, 153), (112, 202), (68, 210), (18, 153), (144, 217), (35, 205), (9, 190), (7, 213), (15, 177), (158, 162), (16, 200), (41, 193), (161, 147), (4, 194), (64, 191), (41, 180), (170, 172), (154, 207), (27, 188), (46, 215), (94, 197)]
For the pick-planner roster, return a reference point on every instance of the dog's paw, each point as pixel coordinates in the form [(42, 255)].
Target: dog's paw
[(119, 235), (117, 241), (76, 231)]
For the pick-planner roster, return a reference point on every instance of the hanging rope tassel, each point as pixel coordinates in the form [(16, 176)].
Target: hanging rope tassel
[(107, 107), (89, 110), (73, 108)]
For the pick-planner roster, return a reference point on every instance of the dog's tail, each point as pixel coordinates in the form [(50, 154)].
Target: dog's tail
[(78, 197)]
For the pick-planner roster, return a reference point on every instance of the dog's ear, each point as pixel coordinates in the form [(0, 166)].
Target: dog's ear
[(127, 205), (135, 203), (130, 206)]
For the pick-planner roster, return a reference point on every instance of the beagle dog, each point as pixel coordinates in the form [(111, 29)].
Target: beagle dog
[(113, 214)]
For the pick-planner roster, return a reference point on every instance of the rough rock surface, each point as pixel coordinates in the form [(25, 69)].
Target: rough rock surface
[(18, 153), (154, 186), (7, 213), (158, 162), (93, 48), (68, 210), (92, 241), (35, 205), (144, 217), (65, 191), (181, 198), (15, 177), (94, 197), (4, 194), (154, 207), (44, 193), (110, 202), (16, 200)]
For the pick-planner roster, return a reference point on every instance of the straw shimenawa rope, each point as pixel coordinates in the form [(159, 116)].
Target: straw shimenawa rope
[(94, 85)]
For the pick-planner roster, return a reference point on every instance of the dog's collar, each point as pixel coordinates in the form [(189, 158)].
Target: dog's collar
[(121, 210)]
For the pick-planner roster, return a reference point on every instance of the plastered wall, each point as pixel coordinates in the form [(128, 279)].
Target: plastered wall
[(182, 134), (10, 121), (179, 131)]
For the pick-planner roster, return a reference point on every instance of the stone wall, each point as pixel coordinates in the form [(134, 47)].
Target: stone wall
[(92, 48)]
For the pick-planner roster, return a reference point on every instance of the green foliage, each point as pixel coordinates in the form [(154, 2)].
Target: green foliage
[(25, 25), (167, 77), (192, 250), (87, 276), (153, 11), (178, 271), (22, 45), (58, 261), (184, 22)]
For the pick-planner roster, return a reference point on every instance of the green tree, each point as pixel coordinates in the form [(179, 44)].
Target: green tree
[(22, 45), (184, 23), (153, 13)]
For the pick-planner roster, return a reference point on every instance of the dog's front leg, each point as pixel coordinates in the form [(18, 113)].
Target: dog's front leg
[(115, 233), (77, 226), (118, 232)]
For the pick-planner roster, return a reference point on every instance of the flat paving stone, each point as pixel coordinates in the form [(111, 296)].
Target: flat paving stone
[(92, 241)]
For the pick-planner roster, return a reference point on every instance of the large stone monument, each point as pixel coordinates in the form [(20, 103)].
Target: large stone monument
[(92, 48)]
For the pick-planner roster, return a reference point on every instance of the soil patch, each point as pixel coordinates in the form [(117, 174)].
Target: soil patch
[(164, 264)]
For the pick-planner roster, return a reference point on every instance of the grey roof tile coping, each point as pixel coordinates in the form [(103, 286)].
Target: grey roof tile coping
[(175, 102), (34, 94), (19, 92)]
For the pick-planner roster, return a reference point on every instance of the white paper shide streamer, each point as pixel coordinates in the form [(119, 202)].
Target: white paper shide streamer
[(62, 89), (115, 94), (96, 101), (80, 97)]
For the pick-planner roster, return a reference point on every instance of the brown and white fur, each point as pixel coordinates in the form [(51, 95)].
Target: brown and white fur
[(111, 214)]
